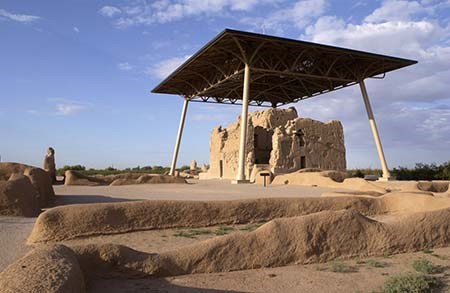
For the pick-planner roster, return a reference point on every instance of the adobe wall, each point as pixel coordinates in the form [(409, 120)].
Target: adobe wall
[(324, 144)]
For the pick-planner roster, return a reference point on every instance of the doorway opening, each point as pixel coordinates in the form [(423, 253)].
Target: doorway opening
[(301, 137), (302, 162), (262, 144)]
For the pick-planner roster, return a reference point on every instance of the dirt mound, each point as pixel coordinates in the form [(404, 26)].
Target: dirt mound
[(331, 179), (336, 176), (405, 202), (148, 179), (312, 238), (39, 178), (167, 179), (369, 194), (18, 197), (43, 183), (67, 222), (434, 186), (437, 187), (76, 178), (48, 269)]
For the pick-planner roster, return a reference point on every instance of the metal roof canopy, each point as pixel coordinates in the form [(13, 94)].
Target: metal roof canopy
[(282, 70), (272, 71)]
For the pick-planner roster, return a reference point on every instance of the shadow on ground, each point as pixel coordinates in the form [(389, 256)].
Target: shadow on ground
[(84, 199), (145, 285)]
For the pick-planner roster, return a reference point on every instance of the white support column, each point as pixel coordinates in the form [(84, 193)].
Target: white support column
[(376, 137), (244, 120), (178, 141)]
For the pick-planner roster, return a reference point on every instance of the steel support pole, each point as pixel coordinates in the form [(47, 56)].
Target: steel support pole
[(244, 120), (376, 136), (178, 141)]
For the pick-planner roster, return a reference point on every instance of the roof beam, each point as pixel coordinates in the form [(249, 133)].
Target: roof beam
[(300, 75), (204, 91)]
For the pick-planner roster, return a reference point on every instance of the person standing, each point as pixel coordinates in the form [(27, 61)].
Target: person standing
[(49, 164)]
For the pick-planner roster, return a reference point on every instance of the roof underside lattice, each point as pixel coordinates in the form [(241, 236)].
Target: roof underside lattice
[(282, 70)]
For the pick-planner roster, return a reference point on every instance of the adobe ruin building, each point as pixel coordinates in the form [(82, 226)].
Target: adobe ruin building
[(245, 68), (278, 141)]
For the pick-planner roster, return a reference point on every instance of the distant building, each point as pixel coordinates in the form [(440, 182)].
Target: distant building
[(278, 141)]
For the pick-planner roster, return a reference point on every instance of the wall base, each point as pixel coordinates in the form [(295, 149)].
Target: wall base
[(235, 181), (384, 179)]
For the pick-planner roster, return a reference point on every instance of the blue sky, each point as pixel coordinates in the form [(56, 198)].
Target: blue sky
[(77, 75)]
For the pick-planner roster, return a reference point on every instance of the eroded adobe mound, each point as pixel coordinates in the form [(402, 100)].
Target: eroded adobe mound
[(39, 178), (68, 222), (312, 238), (330, 179), (46, 269), (76, 178), (18, 197)]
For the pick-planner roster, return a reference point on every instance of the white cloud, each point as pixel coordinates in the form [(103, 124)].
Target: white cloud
[(62, 107), (298, 14), (163, 68), (164, 11), (395, 10), (23, 18), (76, 29), (412, 105), (110, 11), (66, 109), (399, 37), (125, 66)]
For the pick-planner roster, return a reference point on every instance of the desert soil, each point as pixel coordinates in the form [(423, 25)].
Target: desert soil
[(364, 276), (15, 230)]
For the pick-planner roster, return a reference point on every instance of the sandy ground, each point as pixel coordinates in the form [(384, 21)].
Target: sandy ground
[(13, 234), (365, 277), (195, 190), (14, 230), (297, 278)]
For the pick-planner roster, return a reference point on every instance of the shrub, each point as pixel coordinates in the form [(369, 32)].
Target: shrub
[(223, 230), (62, 170), (184, 168), (412, 283), (425, 266), (376, 264), (420, 171), (340, 267), (192, 233)]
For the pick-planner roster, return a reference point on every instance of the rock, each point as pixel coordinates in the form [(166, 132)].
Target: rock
[(18, 197), (38, 177), (167, 179), (43, 184), (76, 178), (46, 269)]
